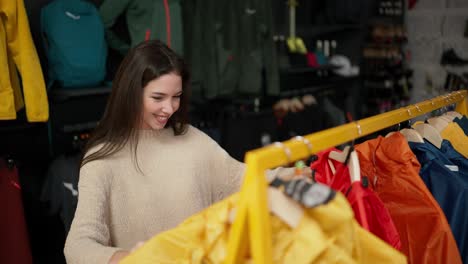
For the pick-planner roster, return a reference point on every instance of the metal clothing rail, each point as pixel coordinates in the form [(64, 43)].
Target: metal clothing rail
[(251, 227)]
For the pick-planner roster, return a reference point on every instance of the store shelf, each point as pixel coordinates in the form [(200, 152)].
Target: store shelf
[(65, 94), (304, 70)]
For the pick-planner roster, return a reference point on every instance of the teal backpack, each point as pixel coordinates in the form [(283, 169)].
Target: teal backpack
[(75, 43)]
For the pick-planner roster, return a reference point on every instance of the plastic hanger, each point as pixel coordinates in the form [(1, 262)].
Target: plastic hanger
[(438, 123), (412, 135), (430, 133)]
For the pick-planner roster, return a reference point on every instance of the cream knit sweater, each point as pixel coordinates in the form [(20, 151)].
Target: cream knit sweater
[(118, 206)]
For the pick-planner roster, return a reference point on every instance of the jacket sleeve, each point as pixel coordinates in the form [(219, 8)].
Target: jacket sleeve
[(89, 238), (110, 10), (23, 51)]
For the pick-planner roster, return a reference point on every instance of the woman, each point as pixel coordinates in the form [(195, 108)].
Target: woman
[(145, 169)]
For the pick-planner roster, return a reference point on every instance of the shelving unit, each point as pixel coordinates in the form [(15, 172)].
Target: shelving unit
[(386, 76)]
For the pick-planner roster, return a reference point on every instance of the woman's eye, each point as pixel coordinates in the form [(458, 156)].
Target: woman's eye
[(157, 98)]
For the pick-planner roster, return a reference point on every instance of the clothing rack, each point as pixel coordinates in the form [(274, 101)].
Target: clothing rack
[(251, 226)]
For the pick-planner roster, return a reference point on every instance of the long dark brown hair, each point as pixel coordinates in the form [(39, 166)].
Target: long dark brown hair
[(145, 62)]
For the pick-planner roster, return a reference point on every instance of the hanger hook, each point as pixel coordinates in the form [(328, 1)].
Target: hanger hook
[(285, 149), (409, 111), (358, 126), (306, 142)]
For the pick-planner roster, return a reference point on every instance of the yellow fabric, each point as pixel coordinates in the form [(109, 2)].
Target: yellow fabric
[(454, 133), (326, 234), (17, 49)]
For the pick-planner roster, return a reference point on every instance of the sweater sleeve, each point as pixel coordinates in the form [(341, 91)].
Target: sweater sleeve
[(110, 10), (89, 238), (227, 174)]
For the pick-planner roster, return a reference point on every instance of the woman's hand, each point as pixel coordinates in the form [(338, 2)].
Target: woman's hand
[(118, 256), (121, 254)]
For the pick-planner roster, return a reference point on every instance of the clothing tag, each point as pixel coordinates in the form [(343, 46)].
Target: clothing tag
[(317, 194), (452, 167)]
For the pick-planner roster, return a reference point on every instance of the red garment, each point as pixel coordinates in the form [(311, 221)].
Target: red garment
[(324, 174), (14, 237), (378, 218), (368, 209), (393, 172)]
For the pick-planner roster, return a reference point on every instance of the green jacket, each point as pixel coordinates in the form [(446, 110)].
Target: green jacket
[(229, 45), (145, 18)]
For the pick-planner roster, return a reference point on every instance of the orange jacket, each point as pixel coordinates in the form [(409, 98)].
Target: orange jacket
[(393, 172)]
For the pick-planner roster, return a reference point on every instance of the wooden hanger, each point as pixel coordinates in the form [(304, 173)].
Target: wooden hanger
[(430, 133), (454, 114), (353, 162), (438, 123), (285, 208), (288, 210), (412, 135), (446, 117)]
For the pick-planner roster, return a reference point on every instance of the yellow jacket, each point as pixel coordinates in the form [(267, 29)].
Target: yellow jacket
[(454, 133), (326, 234), (17, 48)]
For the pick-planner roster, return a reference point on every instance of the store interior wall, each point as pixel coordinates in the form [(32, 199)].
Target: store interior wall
[(435, 26)]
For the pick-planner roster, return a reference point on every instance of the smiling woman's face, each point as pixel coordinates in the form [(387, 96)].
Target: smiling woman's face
[(161, 99)]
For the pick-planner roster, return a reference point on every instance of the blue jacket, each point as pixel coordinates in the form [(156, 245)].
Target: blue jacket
[(463, 123), (445, 173)]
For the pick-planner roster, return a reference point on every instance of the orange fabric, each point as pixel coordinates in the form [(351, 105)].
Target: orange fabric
[(393, 171)]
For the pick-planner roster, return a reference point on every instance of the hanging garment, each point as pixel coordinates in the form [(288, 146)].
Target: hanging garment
[(449, 152), (463, 123), (449, 186), (327, 233), (146, 19), (457, 137), (60, 189), (16, 45), (229, 46), (369, 210), (14, 240), (393, 171)]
